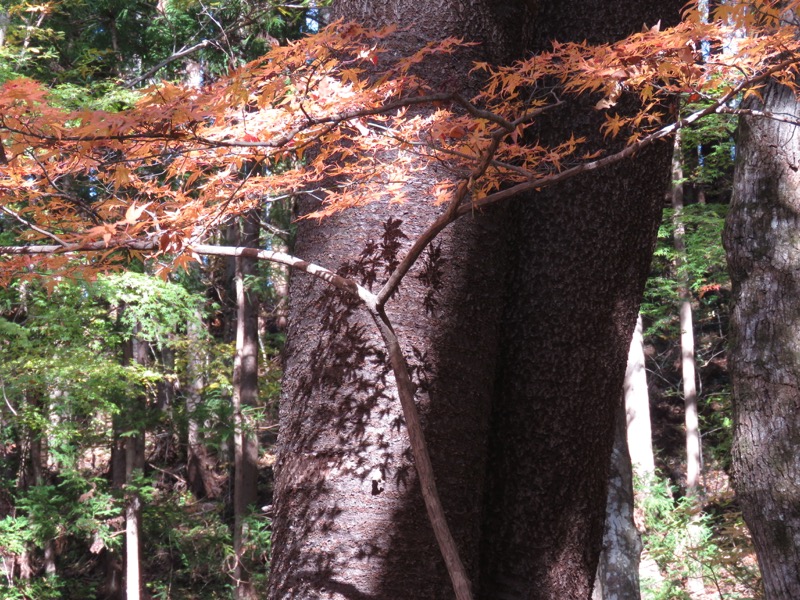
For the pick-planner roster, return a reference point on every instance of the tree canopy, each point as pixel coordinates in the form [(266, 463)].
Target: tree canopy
[(314, 115)]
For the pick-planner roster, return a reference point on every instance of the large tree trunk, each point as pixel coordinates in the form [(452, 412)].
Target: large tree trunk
[(764, 262), (350, 521), (582, 258)]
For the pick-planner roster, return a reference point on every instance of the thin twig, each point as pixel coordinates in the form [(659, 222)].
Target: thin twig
[(17, 216), (8, 403)]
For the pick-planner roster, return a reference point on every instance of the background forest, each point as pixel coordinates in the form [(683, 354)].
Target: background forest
[(140, 407)]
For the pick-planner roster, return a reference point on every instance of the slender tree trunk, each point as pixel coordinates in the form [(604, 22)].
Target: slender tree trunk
[(134, 467), (694, 457), (4, 20), (245, 399), (764, 262), (201, 468), (38, 467), (637, 407), (112, 586), (693, 448), (618, 569)]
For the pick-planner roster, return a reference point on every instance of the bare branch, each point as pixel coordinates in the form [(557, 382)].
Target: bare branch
[(8, 403), (749, 112), (342, 283), (17, 216), (170, 59), (422, 460)]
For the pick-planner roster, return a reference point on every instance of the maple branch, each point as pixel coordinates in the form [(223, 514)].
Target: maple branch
[(749, 112), (449, 215), (61, 193), (170, 59), (406, 390), (342, 283), (719, 106), (17, 216), (100, 246)]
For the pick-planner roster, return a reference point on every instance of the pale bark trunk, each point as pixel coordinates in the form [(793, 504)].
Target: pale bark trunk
[(134, 466), (618, 568), (637, 408), (761, 240), (639, 435), (3, 26), (693, 449), (245, 399), (132, 554)]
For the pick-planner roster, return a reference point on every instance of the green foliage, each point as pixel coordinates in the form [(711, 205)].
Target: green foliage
[(677, 538), (193, 541), (151, 309), (257, 545), (686, 541), (708, 152), (705, 267), (49, 588), (88, 42), (716, 423)]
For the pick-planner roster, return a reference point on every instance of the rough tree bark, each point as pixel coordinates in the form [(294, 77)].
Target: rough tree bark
[(582, 254), (761, 240), (349, 522)]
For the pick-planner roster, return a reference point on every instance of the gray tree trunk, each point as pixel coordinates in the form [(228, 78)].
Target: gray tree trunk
[(637, 407), (245, 399), (688, 367), (618, 569), (761, 239)]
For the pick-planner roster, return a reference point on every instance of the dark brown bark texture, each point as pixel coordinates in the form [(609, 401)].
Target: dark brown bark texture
[(519, 350), (350, 522), (581, 257), (761, 240)]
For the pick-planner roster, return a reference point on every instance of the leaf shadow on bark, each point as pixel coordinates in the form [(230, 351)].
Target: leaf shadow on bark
[(360, 526)]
